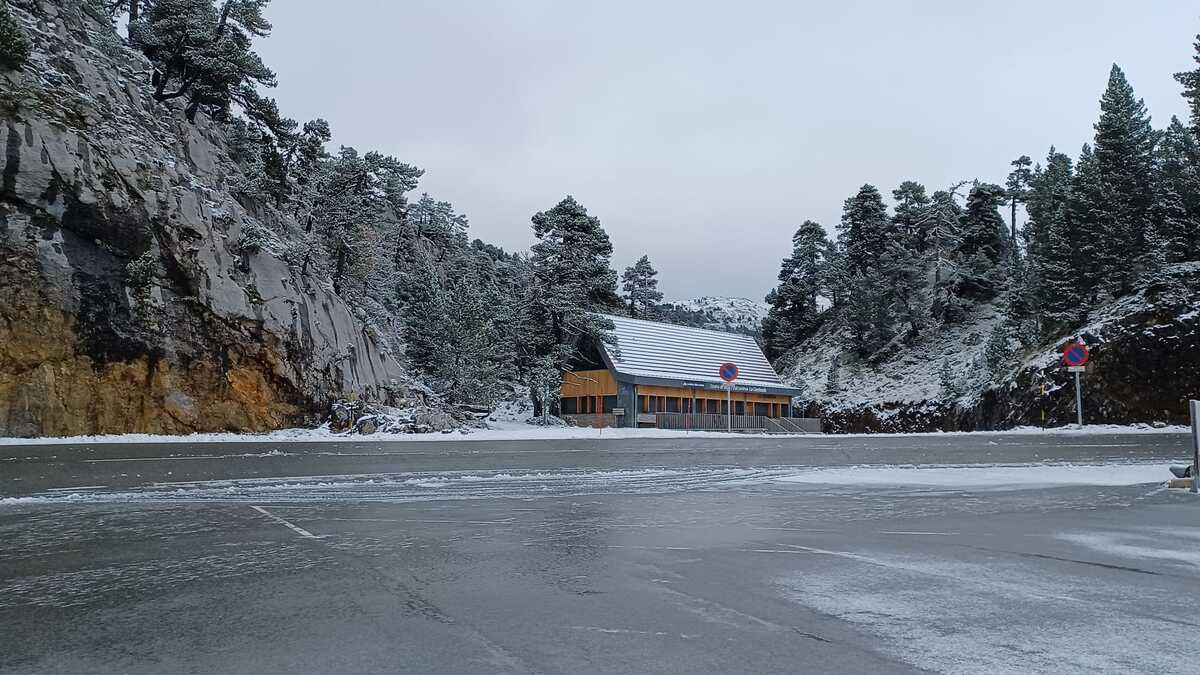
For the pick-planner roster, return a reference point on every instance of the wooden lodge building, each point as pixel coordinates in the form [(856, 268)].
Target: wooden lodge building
[(658, 374)]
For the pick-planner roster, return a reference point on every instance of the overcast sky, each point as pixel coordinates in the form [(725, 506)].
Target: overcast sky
[(702, 133)]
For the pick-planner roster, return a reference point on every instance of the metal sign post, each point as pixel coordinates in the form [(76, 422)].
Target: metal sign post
[(1075, 355), (1194, 407), (729, 407), (728, 372), (1078, 400)]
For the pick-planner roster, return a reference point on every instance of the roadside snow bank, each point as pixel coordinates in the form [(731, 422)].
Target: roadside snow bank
[(517, 431), (995, 477)]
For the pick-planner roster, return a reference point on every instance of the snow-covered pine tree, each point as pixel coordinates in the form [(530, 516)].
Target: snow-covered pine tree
[(204, 54), (903, 263), (912, 202), (908, 295), (951, 388), (641, 287), (998, 352), (865, 229), (833, 379), (942, 221), (868, 313), (436, 222), (1051, 286), (572, 280), (983, 248), (1124, 157), (803, 277), (1083, 232), (425, 317), (1176, 212), (354, 195), (14, 46), (1190, 79), (1017, 186), (471, 359)]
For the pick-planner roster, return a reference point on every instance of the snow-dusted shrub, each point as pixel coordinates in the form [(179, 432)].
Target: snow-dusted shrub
[(14, 46)]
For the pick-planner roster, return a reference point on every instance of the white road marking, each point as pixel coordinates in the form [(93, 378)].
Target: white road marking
[(940, 534), (298, 530)]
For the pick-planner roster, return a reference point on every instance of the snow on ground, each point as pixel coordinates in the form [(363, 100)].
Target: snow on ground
[(913, 376), (728, 313), (995, 477), (520, 431)]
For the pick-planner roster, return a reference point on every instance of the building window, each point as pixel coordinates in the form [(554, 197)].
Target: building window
[(568, 406), (760, 409), (610, 404), (739, 407), (672, 405)]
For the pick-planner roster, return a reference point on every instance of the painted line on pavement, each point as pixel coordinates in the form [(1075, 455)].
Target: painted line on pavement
[(295, 528)]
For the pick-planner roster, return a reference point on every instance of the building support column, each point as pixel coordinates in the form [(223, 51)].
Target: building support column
[(627, 399)]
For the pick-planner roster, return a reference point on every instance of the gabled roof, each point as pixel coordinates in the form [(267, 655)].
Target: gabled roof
[(650, 352)]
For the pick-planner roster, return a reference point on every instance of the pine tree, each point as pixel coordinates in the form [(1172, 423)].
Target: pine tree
[(998, 352), (641, 287), (833, 379), (355, 193), (1124, 157), (984, 244), (869, 314), (1176, 212), (904, 272), (803, 277), (14, 46), (903, 263), (1083, 233), (865, 229), (471, 356), (1051, 283), (1191, 88), (943, 222), (572, 281), (205, 55), (1018, 188), (911, 205), (951, 389)]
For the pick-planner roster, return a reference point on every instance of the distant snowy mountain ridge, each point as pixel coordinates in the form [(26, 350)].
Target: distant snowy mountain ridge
[(727, 313)]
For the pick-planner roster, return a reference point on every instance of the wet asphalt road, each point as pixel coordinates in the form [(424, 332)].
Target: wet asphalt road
[(651, 555)]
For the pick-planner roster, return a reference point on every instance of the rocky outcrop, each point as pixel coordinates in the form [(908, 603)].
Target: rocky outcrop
[(127, 300), (1145, 366)]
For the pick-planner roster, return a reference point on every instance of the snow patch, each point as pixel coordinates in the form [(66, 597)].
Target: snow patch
[(985, 477)]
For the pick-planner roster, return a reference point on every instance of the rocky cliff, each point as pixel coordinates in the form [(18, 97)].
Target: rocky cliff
[(1145, 365), (127, 299)]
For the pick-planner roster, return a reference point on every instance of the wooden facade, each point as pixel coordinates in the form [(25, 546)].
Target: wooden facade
[(591, 392)]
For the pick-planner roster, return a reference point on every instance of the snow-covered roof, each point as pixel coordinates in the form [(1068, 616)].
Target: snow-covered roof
[(653, 352)]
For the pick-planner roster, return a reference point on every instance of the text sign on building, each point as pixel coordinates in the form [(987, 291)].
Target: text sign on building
[(618, 411)]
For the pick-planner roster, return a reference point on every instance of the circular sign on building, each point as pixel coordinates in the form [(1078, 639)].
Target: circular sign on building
[(728, 372), (1075, 354)]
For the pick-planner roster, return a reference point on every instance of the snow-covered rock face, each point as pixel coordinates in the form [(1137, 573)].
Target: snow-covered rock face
[(126, 302), (730, 314), (1145, 365)]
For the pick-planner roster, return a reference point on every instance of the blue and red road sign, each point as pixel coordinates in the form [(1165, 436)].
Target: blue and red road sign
[(1075, 354), (728, 372)]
